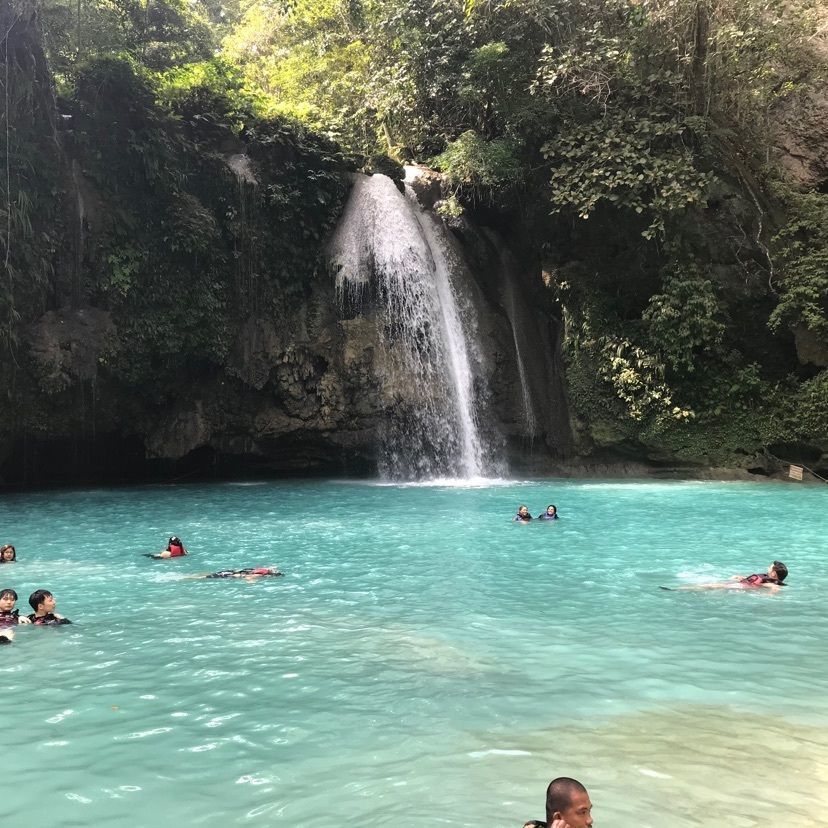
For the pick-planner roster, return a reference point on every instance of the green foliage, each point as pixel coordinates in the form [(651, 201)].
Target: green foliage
[(197, 85), (307, 60), (479, 166), (685, 319), (635, 163), (637, 378), (396, 76), (449, 208), (805, 412), (801, 252), (635, 375), (157, 33)]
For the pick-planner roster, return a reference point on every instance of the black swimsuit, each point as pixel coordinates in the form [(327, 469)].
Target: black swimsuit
[(48, 620)]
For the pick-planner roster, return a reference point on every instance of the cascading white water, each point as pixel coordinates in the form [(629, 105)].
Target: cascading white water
[(530, 422), (455, 339), (386, 241)]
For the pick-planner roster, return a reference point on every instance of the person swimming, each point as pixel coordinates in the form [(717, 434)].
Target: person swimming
[(776, 574), (43, 603), (253, 572), (551, 513), (773, 579), (9, 616), (7, 554), (522, 515), (175, 549)]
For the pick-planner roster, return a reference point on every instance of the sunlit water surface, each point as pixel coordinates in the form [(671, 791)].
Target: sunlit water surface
[(424, 661)]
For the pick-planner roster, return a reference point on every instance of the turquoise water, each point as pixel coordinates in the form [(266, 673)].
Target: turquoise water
[(424, 661)]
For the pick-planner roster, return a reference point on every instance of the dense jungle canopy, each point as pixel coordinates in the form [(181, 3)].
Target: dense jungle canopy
[(660, 166)]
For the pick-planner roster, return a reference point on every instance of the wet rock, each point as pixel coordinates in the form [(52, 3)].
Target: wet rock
[(66, 346)]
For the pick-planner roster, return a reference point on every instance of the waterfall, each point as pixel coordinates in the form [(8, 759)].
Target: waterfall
[(386, 249), (530, 422), (80, 218), (246, 251)]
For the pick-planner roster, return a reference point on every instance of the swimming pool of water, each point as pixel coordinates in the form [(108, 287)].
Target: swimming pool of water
[(423, 661)]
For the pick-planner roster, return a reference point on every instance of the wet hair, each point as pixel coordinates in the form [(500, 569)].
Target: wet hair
[(4, 548), (38, 597), (523, 506), (559, 795), (174, 540), (781, 570), (5, 592), (552, 506)]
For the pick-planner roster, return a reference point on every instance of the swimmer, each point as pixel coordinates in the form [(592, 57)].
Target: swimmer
[(551, 513), (522, 515), (175, 549), (247, 574), (43, 603), (773, 580), (9, 616), (7, 554), (567, 806)]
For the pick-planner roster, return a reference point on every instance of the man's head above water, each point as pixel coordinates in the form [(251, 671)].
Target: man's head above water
[(567, 804)]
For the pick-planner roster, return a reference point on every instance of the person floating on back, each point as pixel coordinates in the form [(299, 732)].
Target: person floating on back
[(249, 574), (43, 603), (175, 549), (7, 554), (551, 513), (773, 580), (522, 515), (567, 806)]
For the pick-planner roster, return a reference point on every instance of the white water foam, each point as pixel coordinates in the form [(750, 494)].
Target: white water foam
[(387, 246)]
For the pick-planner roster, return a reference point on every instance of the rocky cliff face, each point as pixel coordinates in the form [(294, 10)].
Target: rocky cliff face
[(799, 124), (302, 392), (167, 310)]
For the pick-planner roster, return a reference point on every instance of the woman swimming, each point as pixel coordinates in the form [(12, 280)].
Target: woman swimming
[(7, 554), (9, 616), (774, 579), (551, 513), (522, 515)]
